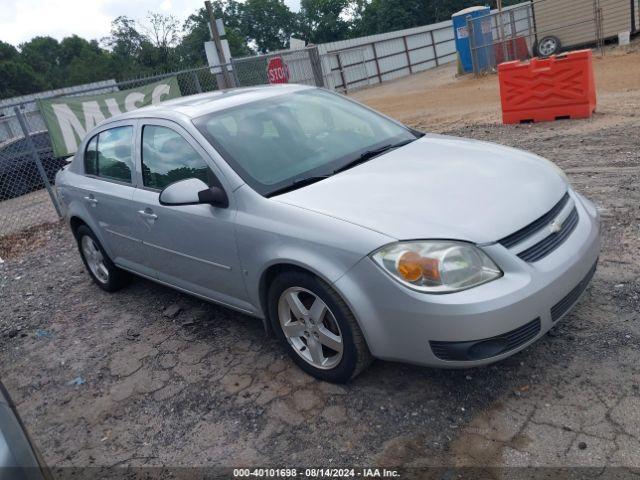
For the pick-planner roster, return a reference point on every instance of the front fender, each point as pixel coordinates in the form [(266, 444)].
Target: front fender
[(272, 233)]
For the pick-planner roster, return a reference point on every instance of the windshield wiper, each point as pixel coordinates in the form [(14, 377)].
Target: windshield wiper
[(369, 154), (302, 182), (364, 157)]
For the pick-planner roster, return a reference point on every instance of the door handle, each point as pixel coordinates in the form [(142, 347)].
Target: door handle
[(91, 199), (148, 215)]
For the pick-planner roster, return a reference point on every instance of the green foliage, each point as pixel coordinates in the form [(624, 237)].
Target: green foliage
[(43, 63), (197, 32), (322, 21), (7, 52), (267, 23), (17, 78), (380, 16)]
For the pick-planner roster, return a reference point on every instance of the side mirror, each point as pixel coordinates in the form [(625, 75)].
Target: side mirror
[(193, 191)]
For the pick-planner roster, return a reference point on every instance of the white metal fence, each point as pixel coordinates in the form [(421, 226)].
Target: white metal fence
[(359, 62)]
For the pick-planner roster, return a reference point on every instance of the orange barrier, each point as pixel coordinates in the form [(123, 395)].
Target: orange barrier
[(547, 89)]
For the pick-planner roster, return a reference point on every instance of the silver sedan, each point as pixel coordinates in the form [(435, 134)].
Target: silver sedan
[(350, 235)]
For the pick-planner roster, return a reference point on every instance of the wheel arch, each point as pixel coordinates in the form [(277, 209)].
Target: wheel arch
[(271, 272), (76, 222), (77, 216)]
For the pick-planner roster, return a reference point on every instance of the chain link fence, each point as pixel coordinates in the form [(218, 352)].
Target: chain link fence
[(303, 67), (27, 169), (546, 27), (27, 162)]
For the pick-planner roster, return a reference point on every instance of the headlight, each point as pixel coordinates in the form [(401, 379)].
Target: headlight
[(435, 266)]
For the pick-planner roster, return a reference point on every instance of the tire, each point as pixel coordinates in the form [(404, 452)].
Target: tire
[(107, 276), (316, 350), (547, 46)]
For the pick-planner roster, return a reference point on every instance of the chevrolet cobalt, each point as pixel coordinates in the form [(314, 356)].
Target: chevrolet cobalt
[(350, 235)]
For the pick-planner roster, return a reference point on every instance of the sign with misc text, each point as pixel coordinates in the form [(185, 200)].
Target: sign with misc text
[(277, 71), (68, 119)]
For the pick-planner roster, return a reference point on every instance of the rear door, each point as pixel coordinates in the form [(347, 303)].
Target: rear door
[(107, 191), (192, 247)]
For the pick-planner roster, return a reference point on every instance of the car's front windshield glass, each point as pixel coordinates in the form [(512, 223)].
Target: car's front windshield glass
[(288, 139)]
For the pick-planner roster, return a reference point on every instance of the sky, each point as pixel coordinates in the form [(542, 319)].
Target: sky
[(21, 20)]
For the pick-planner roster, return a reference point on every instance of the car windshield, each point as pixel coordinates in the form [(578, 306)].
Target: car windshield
[(290, 140)]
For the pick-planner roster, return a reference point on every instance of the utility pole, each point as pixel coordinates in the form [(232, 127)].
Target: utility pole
[(502, 37), (226, 78)]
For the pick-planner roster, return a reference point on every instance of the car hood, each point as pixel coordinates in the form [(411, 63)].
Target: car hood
[(439, 187)]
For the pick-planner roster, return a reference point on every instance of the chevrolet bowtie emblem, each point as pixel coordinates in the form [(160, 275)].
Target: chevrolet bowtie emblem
[(555, 226)]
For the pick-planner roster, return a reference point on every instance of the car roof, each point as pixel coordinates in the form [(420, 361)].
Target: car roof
[(193, 106)]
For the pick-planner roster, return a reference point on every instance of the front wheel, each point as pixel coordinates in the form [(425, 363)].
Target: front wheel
[(317, 328)]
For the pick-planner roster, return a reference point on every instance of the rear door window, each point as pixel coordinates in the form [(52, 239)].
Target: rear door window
[(109, 154)]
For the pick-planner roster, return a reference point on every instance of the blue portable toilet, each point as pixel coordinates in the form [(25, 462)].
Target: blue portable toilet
[(482, 35)]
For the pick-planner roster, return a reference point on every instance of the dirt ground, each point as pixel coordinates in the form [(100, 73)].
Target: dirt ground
[(434, 100), (26, 211), (169, 380)]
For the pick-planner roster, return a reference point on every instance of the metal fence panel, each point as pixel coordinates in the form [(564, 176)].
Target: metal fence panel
[(355, 63)]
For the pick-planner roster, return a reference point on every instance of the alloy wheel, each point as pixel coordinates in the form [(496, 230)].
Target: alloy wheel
[(95, 259), (310, 328)]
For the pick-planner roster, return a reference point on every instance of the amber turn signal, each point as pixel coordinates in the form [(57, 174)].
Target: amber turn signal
[(413, 267), (409, 267)]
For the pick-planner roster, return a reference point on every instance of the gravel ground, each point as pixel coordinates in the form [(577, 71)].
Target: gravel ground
[(170, 380), (26, 211)]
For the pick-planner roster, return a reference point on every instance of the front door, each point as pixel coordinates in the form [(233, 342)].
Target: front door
[(192, 247)]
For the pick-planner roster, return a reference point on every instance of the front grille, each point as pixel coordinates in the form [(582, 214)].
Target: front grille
[(553, 241), (487, 348), (560, 308), (534, 227)]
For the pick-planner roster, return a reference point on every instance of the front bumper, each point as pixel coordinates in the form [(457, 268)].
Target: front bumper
[(408, 326)]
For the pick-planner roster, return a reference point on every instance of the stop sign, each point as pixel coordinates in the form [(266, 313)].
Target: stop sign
[(277, 71)]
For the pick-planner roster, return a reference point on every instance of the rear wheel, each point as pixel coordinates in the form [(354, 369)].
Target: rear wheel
[(317, 328), (100, 267)]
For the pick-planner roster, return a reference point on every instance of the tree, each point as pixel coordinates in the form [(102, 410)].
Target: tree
[(143, 48), (16, 78), (7, 52), (322, 21), (378, 16), (125, 44), (162, 33), (125, 39), (42, 55), (81, 61), (162, 30), (266, 24), (197, 32)]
